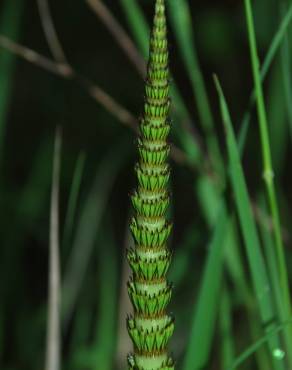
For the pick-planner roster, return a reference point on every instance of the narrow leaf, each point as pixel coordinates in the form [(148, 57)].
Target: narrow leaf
[(254, 347), (87, 227), (106, 327), (206, 306), (255, 258), (269, 59), (73, 199)]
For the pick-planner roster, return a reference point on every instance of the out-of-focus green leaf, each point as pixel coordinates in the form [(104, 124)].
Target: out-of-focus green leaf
[(226, 335), (72, 202), (256, 261), (87, 227), (206, 307)]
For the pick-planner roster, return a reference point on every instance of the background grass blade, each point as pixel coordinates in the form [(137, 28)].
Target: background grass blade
[(253, 348), (268, 175), (286, 72), (206, 307), (180, 16), (72, 202), (79, 347), (106, 328), (226, 335), (93, 345), (182, 264), (277, 116), (87, 228), (138, 24), (267, 238), (269, 58), (256, 261), (182, 25), (121, 37), (53, 351)]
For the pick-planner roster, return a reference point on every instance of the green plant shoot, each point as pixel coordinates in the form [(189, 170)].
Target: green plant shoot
[(151, 327)]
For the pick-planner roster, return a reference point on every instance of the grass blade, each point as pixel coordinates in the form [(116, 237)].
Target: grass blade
[(227, 346), (203, 319), (138, 24), (106, 335), (99, 353), (87, 228), (253, 348), (73, 199), (270, 56), (256, 262), (182, 26), (277, 116), (268, 175), (286, 72), (81, 330), (267, 237), (180, 16), (183, 260), (115, 28), (53, 351)]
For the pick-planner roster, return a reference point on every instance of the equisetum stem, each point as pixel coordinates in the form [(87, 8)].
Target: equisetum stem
[(151, 327)]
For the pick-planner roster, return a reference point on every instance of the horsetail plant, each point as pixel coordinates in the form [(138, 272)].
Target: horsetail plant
[(151, 327)]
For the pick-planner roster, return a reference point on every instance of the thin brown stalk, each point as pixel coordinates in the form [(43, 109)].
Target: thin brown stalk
[(50, 32), (61, 67), (98, 94), (121, 113), (34, 57), (59, 55), (53, 350), (118, 32), (66, 71)]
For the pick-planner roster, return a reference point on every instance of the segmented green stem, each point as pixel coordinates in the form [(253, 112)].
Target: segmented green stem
[(151, 327)]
